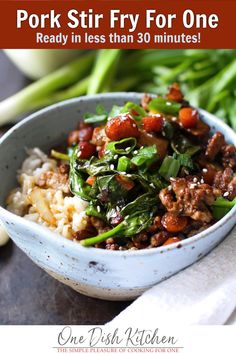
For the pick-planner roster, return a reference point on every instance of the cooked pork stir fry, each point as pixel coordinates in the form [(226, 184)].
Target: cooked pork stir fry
[(151, 174)]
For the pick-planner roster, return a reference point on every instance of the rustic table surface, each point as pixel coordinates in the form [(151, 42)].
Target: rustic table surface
[(27, 294)]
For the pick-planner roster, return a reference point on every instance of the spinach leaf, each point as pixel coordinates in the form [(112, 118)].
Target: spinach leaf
[(182, 145), (95, 166), (124, 146), (132, 225), (98, 167), (153, 181), (185, 160), (100, 116), (138, 215), (147, 182), (78, 186), (111, 192), (168, 130), (95, 209), (146, 202), (115, 111)]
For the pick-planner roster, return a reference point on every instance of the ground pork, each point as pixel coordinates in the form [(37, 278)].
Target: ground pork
[(190, 198), (216, 142)]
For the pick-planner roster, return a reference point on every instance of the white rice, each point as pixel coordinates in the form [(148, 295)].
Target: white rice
[(69, 212)]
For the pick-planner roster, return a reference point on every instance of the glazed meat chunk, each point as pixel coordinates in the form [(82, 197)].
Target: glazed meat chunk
[(214, 146), (190, 198), (228, 152), (225, 181)]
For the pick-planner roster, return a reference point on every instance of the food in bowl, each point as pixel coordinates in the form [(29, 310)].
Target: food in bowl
[(137, 177)]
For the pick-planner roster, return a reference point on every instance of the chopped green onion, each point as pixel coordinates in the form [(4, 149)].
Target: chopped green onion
[(123, 164), (135, 110), (162, 105), (145, 157), (222, 206), (59, 155), (169, 167)]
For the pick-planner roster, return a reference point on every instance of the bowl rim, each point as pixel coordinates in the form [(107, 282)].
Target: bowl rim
[(49, 235)]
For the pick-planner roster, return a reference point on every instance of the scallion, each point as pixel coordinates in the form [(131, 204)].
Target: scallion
[(123, 164), (29, 98), (145, 157), (135, 110), (169, 168), (105, 63), (222, 206), (162, 105), (60, 155)]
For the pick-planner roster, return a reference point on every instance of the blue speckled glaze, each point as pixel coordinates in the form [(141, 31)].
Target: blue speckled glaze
[(95, 272)]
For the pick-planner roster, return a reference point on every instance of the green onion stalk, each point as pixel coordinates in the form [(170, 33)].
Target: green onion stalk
[(29, 98), (104, 70), (207, 77)]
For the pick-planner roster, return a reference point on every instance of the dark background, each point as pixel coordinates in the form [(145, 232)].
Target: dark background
[(27, 294)]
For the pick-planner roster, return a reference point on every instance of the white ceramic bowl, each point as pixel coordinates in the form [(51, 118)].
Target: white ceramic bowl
[(95, 272)]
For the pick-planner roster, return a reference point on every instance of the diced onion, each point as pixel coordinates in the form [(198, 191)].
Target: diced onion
[(37, 199)]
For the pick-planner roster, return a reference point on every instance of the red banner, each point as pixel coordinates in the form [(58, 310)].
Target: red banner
[(117, 24)]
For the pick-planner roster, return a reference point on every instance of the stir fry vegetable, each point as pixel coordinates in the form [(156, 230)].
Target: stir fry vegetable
[(151, 171), (222, 206)]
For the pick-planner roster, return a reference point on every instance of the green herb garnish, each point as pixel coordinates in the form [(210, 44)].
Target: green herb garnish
[(222, 206), (124, 146), (123, 164), (60, 155), (169, 167), (162, 105), (145, 157)]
